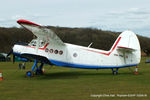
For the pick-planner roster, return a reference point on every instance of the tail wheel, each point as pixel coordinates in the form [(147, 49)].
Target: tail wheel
[(115, 73)]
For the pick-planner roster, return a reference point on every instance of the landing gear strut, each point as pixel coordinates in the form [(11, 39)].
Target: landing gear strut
[(35, 70), (115, 72)]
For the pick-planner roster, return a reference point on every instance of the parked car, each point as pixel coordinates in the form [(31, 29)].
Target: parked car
[(3, 57), (147, 61)]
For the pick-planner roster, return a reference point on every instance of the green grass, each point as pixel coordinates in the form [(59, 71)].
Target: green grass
[(60, 83)]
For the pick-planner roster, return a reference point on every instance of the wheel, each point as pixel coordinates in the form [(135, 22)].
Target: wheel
[(29, 74)]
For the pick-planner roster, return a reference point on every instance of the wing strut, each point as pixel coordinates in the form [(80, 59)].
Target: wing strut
[(37, 45)]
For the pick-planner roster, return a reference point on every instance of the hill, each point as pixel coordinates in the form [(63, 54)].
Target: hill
[(80, 36)]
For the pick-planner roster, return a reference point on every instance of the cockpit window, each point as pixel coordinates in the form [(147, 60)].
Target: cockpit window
[(34, 43)]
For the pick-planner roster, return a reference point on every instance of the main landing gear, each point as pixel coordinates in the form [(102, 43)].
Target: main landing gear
[(35, 70), (115, 72)]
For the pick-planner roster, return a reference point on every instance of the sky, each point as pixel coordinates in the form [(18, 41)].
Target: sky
[(113, 15)]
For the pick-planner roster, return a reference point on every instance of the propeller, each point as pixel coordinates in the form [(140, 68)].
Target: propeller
[(10, 53)]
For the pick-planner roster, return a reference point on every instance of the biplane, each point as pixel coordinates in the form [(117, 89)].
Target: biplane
[(48, 48)]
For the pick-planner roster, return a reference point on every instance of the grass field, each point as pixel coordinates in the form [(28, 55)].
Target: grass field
[(60, 83)]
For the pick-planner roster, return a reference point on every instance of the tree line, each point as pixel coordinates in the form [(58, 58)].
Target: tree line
[(80, 36)]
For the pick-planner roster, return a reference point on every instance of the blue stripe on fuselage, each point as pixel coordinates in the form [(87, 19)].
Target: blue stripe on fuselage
[(60, 63), (66, 64)]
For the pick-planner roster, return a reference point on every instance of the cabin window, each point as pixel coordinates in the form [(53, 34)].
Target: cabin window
[(56, 51), (75, 55), (51, 50), (46, 50), (60, 52)]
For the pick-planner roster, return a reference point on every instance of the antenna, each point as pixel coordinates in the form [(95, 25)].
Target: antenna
[(90, 44)]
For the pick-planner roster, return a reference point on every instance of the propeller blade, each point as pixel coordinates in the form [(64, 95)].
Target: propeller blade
[(10, 53)]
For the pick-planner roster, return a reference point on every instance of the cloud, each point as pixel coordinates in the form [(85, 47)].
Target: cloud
[(136, 19), (138, 11), (11, 21), (134, 11)]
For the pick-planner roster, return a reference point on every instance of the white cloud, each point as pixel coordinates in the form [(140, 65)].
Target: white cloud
[(136, 19)]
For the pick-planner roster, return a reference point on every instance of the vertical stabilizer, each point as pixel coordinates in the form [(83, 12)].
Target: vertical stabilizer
[(127, 46)]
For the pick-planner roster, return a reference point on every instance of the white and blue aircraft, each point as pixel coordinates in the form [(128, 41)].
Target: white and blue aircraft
[(48, 48)]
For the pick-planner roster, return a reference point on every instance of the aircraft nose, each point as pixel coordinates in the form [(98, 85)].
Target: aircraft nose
[(14, 48), (11, 51)]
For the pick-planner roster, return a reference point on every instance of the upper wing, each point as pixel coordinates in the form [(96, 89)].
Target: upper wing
[(41, 32)]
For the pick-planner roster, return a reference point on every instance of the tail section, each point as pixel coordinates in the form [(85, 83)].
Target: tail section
[(127, 46)]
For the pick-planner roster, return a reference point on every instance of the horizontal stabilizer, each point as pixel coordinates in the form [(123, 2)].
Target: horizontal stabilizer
[(125, 49)]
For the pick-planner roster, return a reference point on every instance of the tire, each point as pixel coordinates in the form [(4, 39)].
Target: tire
[(115, 73), (29, 74)]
